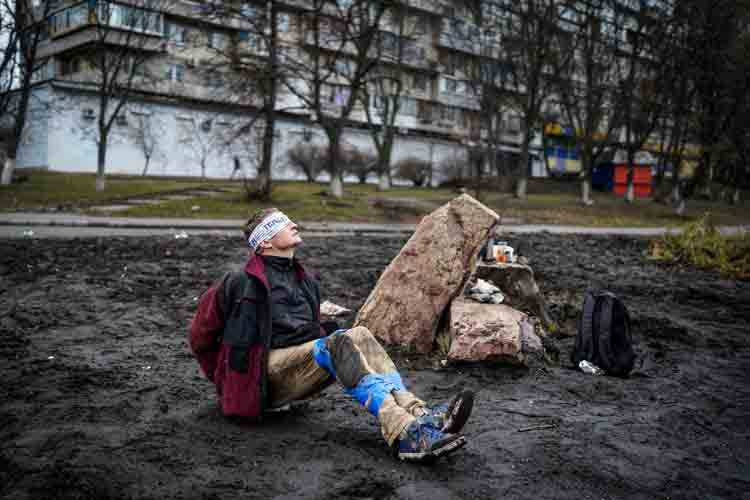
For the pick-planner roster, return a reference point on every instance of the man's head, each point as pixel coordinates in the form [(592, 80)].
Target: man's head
[(270, 232)]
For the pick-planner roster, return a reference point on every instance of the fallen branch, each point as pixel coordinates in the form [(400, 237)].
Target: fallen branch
[(537, 428)]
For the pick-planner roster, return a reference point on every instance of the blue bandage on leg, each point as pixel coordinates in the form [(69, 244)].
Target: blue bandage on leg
[(372, 390), (322, 357)]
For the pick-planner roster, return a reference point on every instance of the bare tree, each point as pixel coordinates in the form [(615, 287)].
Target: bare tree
[(358, 162), (308, 158), (199, 134), (531, 31), (115, 62), (22, 29), (331, 72), (9, 57), (473, 89), (676, 100), (714, 26), (414, 169), (252, 68), (147, 131), (646, 78), (738, 127), (587, 81), (397, 50)]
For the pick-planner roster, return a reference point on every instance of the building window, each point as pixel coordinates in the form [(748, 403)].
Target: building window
[(448, 114), (214, 79), (284, 22), (69, 19), (175, 33), (408, 106), (339, 95), (249, 11), (388, 43), (448, 85), (176, 73), (132, 18), (425, 111), (216, 40), (420, 25), (71, 66), (343, 67), (419, 83)]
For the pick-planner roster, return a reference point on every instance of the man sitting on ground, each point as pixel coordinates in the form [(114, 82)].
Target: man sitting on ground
[(258, 337)]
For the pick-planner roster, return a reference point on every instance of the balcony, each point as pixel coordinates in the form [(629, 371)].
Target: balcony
[(460, 35), (431, 6), (78, 24), (329, 40), (457, 42)]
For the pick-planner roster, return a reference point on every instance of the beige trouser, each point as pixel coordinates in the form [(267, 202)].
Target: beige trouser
[(293, 374)]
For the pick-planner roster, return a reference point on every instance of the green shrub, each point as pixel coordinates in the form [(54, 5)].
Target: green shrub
[(702, 245)]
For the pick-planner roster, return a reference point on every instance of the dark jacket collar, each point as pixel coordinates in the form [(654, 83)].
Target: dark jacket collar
[(256, 266)]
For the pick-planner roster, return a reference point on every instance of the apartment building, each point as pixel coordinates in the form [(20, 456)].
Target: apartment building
[(182, 94)]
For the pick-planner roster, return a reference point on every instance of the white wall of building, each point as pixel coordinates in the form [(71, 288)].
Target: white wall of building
[(64, 139), (34, 148)]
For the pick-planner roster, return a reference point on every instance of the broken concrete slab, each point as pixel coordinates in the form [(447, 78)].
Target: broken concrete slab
[(432, 268), (491, 332)]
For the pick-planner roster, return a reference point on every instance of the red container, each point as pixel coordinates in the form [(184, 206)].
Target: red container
[(642, 179), (642, 190), (621, 174), (642, 174)]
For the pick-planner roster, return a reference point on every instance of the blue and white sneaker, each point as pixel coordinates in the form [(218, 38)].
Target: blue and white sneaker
[(422, 441), (452, 416)]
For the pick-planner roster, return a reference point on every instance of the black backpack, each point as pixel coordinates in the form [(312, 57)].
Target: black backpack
[(604, 334)]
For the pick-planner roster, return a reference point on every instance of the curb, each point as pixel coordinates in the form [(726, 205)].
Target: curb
[(508, 225)]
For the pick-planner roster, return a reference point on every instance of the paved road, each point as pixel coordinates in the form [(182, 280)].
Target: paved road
[(55, 225)]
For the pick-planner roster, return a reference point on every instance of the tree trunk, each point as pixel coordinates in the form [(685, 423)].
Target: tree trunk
[(586, 192), (101, 162), (586, 177), (675, 196), (659, 180), (630, 192), (736, 195), (269, 112), (384, 163), (680, 207), (10, 166), (264, 169), (384, 181), (337, 185), (521, 186)]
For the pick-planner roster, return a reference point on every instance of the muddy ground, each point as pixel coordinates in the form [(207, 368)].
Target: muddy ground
[(101, 398)]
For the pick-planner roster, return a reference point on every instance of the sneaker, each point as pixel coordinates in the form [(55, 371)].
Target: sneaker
[(422, 441), (451, 417)]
